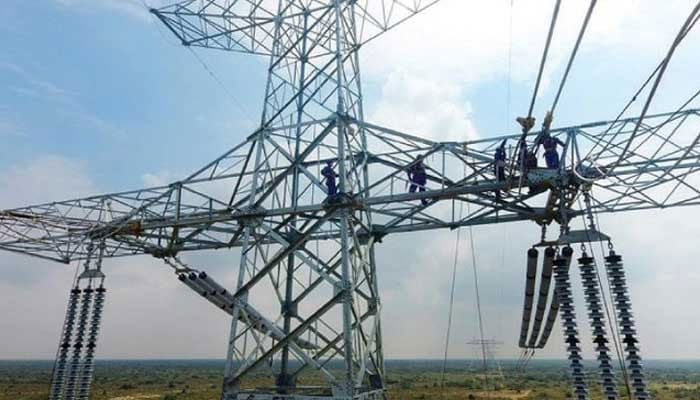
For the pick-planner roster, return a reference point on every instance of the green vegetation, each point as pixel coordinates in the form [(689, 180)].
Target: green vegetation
[(407, 380)]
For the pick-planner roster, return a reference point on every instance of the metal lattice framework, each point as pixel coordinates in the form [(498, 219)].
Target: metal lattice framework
[(306, 298)]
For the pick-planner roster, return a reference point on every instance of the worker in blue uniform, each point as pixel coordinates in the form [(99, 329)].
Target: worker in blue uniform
[(499, 162), (329, 174), (550, 143), (417, 177), (551, 155)]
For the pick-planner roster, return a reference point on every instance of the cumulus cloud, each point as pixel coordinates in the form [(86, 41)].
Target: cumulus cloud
[(44, 179), (416, 105)]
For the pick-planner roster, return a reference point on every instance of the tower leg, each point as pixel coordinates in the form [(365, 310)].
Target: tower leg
[(568, 320), (623, 308)]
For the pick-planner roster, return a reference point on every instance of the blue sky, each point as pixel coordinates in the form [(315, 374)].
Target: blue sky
[(97, 96)]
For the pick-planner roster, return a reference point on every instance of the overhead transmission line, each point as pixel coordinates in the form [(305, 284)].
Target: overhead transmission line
[(658, 72), (206, 68), (687, 26), (219, 81), (526, 356), (543, 61), (528, 123), (581, 33), (633, 99)]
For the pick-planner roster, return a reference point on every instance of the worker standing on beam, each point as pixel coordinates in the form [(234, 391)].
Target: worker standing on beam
[(499, 162), (499, 165), (329, 174), (418, 177), (525, 155), (550, 143)]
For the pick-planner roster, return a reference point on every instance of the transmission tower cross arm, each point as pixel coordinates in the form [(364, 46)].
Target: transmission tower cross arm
[(211, 208), (249, 26), (243, 26)]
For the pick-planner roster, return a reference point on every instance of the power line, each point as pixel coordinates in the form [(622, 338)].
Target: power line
[(217, 80), (687, 26), (209, 71), (573, 53), (543, 61), (510, 65)]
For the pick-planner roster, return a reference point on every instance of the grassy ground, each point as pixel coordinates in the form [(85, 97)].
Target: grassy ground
[(406, 381)]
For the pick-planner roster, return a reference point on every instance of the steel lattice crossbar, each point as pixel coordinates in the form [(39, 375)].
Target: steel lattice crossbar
[(208, 209)]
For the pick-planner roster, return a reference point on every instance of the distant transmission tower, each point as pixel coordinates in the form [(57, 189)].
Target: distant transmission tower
[(485, 360)]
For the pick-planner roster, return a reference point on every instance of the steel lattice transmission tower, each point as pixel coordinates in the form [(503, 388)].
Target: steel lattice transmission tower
[(313, 110), (305, 309)]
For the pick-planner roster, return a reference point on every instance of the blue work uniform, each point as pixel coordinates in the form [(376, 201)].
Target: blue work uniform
[(551, 156), (418, 178), (330, 176), (499, 164)]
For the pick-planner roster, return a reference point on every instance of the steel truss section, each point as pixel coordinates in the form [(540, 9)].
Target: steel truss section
[(209, 209)]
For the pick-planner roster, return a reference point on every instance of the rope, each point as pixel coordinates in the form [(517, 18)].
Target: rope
[(449, 313), (478, 297)]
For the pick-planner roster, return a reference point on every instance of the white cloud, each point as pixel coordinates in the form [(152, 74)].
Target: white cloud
[(161, 178), (44, 179), (66, 103), (415, 105)]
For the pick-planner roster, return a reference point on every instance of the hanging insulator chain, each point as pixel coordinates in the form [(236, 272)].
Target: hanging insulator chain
[(78, 344), (568, 320), (621, 302), (88, 369), (597, 321), (59, 374)]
